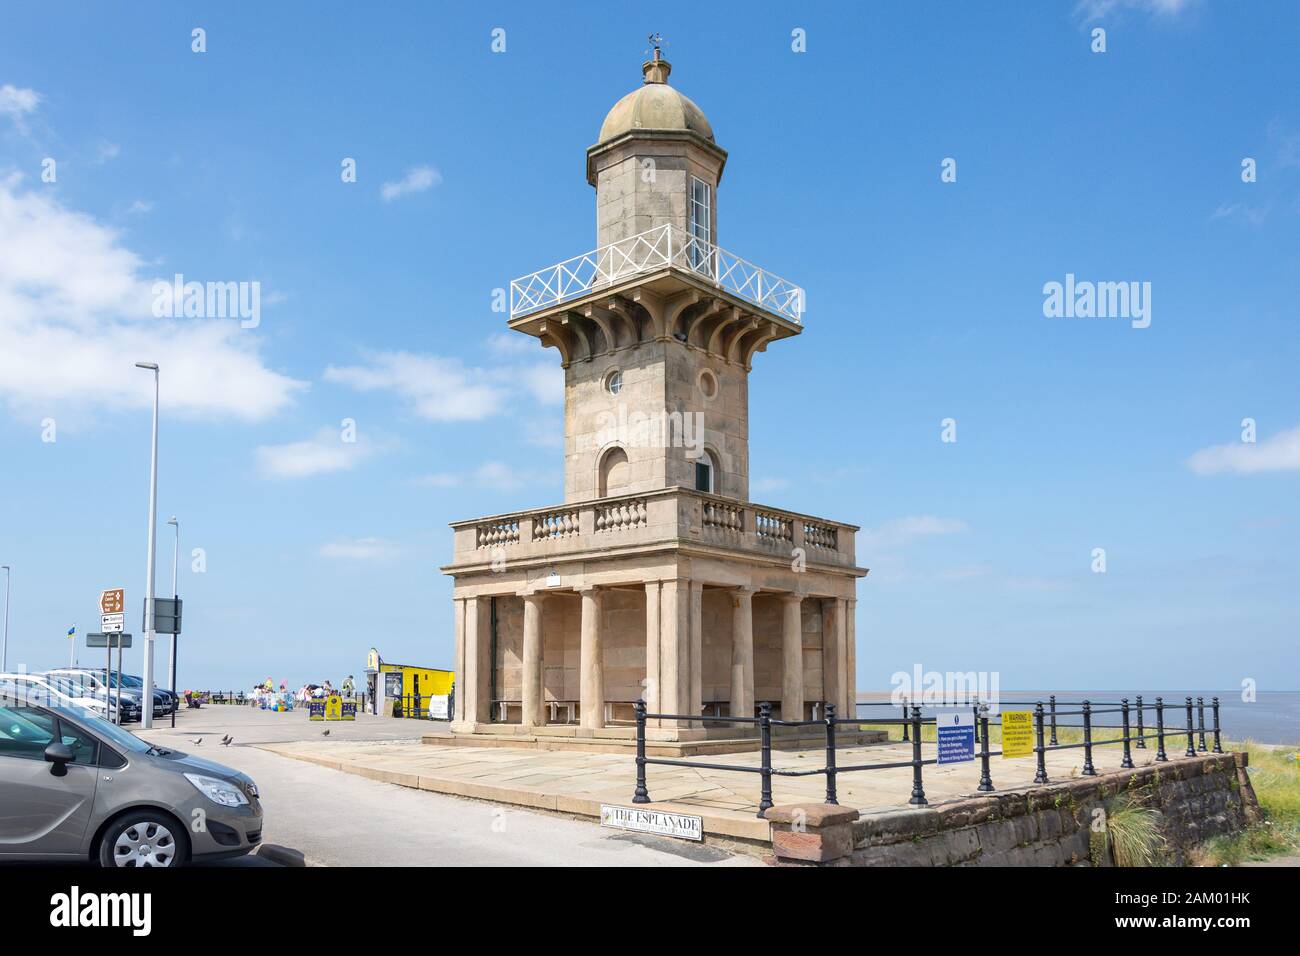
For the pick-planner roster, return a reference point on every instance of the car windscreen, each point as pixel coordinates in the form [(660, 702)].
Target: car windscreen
[(103, 728)]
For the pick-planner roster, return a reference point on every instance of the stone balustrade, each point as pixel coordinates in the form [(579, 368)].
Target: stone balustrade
[(671, 516)]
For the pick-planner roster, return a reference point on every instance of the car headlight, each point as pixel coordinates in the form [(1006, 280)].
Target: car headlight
[(218, 791)]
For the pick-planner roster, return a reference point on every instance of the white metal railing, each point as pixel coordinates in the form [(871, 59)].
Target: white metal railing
[(666, 246)]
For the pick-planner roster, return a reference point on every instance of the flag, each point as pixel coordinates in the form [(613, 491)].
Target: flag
[(72, 633)]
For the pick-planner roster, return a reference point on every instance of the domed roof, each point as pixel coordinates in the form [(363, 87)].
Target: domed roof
[(655, 106)]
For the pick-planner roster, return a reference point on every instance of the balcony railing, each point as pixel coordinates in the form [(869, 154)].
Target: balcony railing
[(666, 516), (666, 246)]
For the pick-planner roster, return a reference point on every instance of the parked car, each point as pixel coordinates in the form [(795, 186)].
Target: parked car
[(63, 690), (95, 681), (75, 787)]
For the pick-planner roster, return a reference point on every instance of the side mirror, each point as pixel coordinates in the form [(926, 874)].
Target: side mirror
[(60, 755)]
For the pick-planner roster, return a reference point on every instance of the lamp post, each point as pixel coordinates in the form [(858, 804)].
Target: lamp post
[(171, 663), (146, 697), (4, 645)]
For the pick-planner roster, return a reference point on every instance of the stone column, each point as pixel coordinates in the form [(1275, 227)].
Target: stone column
[(674, 648), (851, 646), (477, 664), (458, 711), (832, 653), (697, 650), (742, 654), (792, 658), (591, 670), (650, 686), (533, 711)]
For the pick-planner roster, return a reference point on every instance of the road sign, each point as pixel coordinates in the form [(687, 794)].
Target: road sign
[(167, 615), (956, 732), (112, 601), (109, 640), (112, 623)]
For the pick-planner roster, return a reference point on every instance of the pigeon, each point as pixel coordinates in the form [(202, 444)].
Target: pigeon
[(325, 733), (227, 740), (196, 741)]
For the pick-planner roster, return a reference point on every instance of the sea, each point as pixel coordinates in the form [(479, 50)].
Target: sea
[(1273, 717)]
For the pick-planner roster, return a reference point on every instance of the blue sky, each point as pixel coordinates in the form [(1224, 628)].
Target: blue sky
[(925, 302)]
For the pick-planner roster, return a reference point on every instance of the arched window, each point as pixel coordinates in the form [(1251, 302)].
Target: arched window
[(615, 473), (706, 473)]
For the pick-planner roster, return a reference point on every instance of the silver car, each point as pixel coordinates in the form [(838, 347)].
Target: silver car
[(74, 787)]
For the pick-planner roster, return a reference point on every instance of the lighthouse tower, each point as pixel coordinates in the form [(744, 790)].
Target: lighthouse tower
[(657, 578)]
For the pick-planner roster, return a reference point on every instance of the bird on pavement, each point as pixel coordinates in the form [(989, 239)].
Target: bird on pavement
[(227, 740), (196, 741), (325, 733)]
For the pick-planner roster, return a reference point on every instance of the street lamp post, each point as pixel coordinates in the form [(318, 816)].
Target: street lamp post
[(171, 663), (4, 645), (146, 698)]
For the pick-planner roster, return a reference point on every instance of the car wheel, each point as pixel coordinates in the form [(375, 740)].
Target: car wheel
[(147, 838)]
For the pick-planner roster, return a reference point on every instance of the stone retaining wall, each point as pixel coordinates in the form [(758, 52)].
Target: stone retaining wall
[(1059, 824), (1201, 797)]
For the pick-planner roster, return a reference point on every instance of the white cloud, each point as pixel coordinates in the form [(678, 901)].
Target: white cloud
[(490, 474), (323, 453), (75, 315), (416, 180), (359, 549), (512, 343), (17, 102), (1255, 215), (445, 389), (900, 531), (1169, 9), (1281, 452)]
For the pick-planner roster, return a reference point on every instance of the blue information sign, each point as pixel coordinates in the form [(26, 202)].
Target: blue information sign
[(956, 733)]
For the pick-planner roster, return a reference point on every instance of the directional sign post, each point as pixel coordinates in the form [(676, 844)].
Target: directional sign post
[(112, 610), (110, 640)]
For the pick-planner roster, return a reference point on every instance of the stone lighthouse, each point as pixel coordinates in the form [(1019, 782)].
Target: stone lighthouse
[(657, 578)]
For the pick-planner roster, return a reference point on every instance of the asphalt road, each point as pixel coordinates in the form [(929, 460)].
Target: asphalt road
[(338, 819)]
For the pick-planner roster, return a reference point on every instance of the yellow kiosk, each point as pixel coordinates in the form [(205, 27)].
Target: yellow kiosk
[(405, 689)]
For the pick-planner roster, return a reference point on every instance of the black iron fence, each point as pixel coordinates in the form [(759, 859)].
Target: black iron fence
[(1046, 718)]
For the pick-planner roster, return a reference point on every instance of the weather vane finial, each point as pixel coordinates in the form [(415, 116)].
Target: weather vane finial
[(656, 39)]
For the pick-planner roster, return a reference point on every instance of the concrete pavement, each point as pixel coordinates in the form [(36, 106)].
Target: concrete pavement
[(339, 819)]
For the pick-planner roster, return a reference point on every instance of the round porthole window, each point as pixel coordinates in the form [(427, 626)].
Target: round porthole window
[(708, 384), (614, 382)]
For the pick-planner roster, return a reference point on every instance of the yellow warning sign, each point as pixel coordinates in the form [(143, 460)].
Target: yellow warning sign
[(1017, 733)]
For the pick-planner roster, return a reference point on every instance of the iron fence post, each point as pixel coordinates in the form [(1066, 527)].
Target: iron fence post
[(1052, 704), (830, 755), (1218, 744), (1127, 762), (1142, 733), (1088, 769), (1191, 731), (642, 795), (918, 789), (906, 727), (986, 781), (1041, 775), (975, 712), (1200, 721), (1160, 730), (765, 754)]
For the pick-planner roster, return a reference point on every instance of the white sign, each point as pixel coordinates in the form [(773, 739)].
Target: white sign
[(111, 623), (438, 707), (659, 822)]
